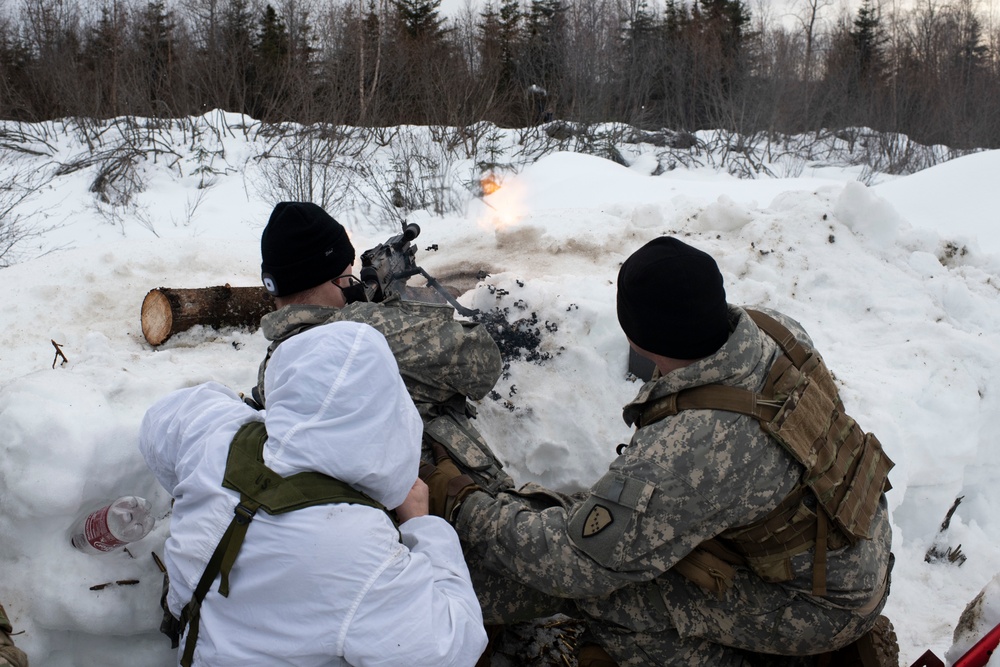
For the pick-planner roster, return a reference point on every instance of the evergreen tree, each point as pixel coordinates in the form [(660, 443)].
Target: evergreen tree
[(272, 44), (729, 20), (542, 59), (300, 41), (270, 85), (636, 71), (676, 18), (421, 20), (499, 42), (154, 42), (868, 38), (510, 34), (489, 43), (972, 55), (639, 26), (236, 55), (236, 29), (715, 52), (15, 59), (103, 59), (499, 39), (370, 66)]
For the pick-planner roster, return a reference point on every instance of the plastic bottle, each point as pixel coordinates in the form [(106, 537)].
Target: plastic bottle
[(127, 519)]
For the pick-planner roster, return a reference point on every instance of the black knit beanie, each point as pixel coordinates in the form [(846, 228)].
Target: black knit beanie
[(302, 247), (671, 300)]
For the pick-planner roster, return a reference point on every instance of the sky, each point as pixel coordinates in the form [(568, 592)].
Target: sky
[(775, 9), (791, 15), (896, 282)]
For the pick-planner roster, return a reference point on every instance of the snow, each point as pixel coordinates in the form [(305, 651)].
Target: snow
[(897, 283)]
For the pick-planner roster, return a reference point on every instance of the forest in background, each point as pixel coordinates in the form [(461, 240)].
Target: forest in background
[(930, 71)]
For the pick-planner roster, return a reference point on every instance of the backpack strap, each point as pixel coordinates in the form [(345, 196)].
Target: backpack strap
[(714, 397), (259, 488), (786, 340), (231, 542)]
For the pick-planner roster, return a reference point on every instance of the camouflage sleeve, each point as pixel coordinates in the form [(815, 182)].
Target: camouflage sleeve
[(646, 513), (585, 548), (438, 356), (259, 394), (531, 545)]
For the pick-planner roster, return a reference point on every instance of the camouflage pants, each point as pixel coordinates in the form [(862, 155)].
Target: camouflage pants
[(673, 622), (10, 655)]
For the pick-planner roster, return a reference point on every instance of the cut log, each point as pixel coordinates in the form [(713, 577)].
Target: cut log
[(167, 311)]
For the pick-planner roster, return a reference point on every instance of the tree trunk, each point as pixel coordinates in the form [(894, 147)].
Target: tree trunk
[(166, 311)]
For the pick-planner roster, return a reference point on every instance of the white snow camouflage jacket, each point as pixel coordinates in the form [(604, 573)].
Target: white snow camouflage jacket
[(324, 585)]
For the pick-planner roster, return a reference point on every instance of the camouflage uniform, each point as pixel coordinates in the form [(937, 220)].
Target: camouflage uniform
[(10, 655), (442, 361), (679, 482)]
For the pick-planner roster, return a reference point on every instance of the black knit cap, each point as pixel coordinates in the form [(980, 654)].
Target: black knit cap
[(671, 300), (302, 246)]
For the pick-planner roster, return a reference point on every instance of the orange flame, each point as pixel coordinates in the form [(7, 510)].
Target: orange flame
[(490, 184)]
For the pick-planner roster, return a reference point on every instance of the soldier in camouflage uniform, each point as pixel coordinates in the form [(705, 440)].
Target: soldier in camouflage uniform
[(10, 655), (306, 265), (645, 557)]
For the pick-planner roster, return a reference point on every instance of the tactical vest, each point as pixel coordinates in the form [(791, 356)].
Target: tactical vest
[(835, 501), (259, 488)]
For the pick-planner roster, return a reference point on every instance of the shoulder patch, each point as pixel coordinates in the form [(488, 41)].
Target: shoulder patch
[(605, 524), (597, 520)]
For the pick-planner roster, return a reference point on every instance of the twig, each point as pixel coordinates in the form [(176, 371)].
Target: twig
[(59, 353), (120, 582), (951, 512), (938, 551), (159, 563)]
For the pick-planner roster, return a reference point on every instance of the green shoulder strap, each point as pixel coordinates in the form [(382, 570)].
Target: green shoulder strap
[(246, 473), (259, 488)]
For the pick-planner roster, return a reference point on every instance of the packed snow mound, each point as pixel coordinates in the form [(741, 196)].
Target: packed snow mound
[(959, 199)]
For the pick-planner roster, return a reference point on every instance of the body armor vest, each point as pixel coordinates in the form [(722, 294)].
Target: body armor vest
[(845, 474)]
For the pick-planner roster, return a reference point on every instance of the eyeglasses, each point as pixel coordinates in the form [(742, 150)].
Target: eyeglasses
[(351, 281), (355, 289)]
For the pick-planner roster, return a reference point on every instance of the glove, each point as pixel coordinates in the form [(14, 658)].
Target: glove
[(447, 485)]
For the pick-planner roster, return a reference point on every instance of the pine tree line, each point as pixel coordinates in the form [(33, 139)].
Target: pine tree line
[(931, 72)]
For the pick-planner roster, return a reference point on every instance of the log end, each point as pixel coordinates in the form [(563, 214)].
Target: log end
[(157, 318)]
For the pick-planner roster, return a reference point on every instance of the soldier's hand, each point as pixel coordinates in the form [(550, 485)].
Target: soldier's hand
[(447, 485), (415, 504)]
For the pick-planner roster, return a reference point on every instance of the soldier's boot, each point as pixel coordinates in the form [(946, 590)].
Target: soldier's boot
[(876, 648), (10, 655), (592, 655)]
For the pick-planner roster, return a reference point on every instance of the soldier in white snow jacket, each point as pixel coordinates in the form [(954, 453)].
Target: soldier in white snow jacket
[(328, 584)]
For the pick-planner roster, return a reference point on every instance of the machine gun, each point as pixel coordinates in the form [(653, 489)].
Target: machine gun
[(386, 268)]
